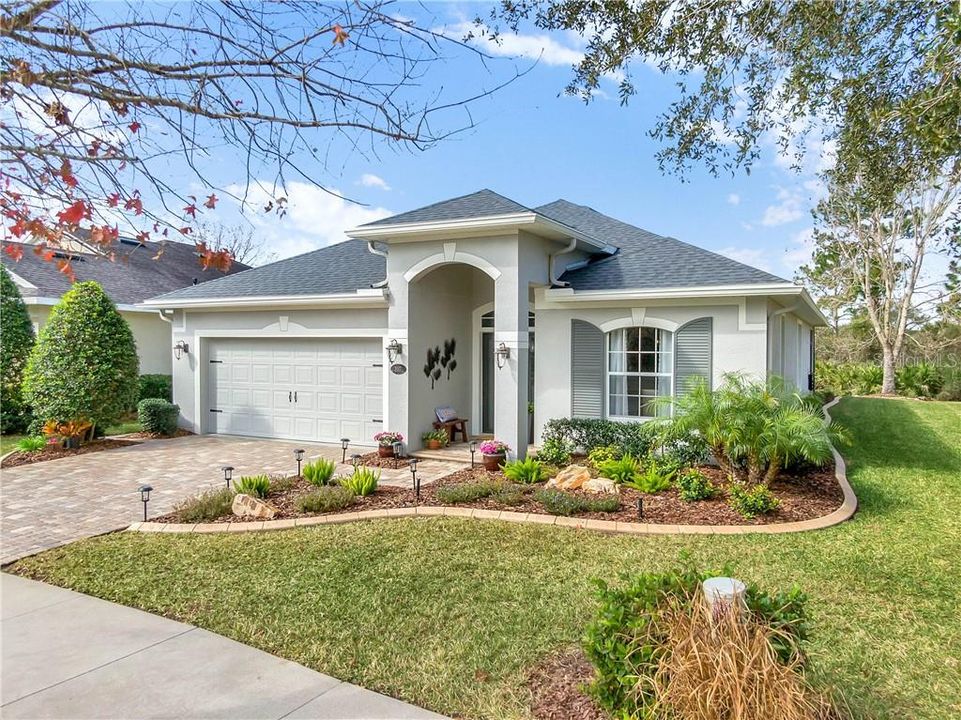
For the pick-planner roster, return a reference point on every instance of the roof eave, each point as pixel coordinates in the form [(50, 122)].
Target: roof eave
[(362, 298)]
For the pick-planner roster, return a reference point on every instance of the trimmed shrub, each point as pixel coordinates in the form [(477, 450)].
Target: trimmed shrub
[(32, 444), (558, 502), (555, 451), (590, 433), (255, 485), (604, 454), (319, 472), (509, 495), (629, 636), (16, 341), (158, 416), (694, 485), (527, 471), (325, 499), (752, 501), (84, 364), (206, 506), (363, 481), (155, 386)]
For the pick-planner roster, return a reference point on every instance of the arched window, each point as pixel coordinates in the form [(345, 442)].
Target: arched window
[(640, 369)]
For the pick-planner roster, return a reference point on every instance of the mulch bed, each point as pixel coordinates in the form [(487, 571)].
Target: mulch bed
[(556, 685), (392, 463), (52, 452), (811, 494)]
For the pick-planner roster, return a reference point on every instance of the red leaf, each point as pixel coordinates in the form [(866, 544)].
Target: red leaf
[(134, 204), (211, 201), (75, 213), (94, 148), (340, 35), (14, 250), (65, 267), (113, 200), (143, 236), (185, 231), (134, 126), (66, 172), (191, 210), (18, 228)]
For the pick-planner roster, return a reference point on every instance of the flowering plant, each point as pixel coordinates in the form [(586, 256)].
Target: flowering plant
[(388, 438), (494, 447)]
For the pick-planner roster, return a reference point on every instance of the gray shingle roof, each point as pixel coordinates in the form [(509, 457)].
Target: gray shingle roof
[(483, 203), (131, 278), (341, 268), (646, 260)]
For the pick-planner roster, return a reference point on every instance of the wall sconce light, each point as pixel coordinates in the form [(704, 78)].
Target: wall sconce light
[(299, 457), (344, 442), (145, 498), (394, 349), (501, 354), (413, 472), (228, 474), (181, 349)]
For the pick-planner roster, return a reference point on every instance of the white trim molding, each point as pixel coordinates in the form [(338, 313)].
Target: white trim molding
[(441, 258), (632, 321), (122, 307), (374, 297)]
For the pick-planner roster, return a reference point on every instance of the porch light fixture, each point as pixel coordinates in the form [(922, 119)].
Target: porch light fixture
[(501, 354), (344, 442), (394, 349), (145, 498), (181, 349), (228, 474), (298, 456), (413, 472), (472, 445)]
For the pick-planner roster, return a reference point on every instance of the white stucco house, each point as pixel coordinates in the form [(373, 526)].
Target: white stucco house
[(138, 270), (444, 305)]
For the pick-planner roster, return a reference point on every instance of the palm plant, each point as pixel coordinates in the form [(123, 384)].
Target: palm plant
[(756, 428)]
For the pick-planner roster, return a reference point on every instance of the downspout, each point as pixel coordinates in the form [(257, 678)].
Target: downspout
[(771, 316), (383, 253), (551, 265), (164, 318)]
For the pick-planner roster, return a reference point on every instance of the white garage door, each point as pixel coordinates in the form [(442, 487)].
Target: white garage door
[(303, 389)]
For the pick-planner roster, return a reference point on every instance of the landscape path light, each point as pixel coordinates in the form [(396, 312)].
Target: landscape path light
[(228, 474), (473, 448), (398, 449), (344, 442), (145, 498), (299, 457), (355, 458), (413, 472)]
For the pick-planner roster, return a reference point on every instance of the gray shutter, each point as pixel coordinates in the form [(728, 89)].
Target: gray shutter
[(587, 370), (692, 353)]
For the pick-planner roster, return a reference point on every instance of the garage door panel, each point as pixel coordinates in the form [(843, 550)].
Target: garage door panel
[(339, 392)]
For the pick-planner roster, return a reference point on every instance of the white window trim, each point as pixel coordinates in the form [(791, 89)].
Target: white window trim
[(607, 378)]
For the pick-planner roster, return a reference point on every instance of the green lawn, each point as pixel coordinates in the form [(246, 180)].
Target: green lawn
[(420, 609), (9, 442)]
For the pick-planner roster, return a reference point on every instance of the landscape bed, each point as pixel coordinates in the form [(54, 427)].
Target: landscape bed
[(55, 451), (803, 496)]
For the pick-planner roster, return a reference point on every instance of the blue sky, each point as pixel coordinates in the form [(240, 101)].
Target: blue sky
[(534, 144)]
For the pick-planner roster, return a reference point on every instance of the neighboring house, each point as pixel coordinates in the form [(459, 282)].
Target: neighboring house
[(442, 306), (130, 278)]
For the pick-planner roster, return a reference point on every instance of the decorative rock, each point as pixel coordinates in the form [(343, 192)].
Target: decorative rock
[(570, 478), (247, 506), (602, 485)]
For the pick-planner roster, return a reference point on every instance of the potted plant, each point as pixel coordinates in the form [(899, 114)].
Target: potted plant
[(434, 439), (385, 442), (495, 453)]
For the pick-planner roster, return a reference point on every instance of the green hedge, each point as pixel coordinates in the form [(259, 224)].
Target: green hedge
[(158, 416), (926, 380), (16, 341), (156, 386), (589, 433)]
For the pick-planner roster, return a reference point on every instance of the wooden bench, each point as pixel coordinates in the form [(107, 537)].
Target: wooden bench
[(448, 421)]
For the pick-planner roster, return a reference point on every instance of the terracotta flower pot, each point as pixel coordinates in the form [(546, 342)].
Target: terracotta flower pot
[(433, 444), (385, 451), (492, 463)]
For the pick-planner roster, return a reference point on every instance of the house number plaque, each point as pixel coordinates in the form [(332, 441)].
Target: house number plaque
[(398, 368)]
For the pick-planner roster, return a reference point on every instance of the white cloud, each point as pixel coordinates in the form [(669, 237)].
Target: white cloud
[(788, 210), (749, 256), (799, 250), (374, 181), (541, 47), (315, 218), (733, 199)]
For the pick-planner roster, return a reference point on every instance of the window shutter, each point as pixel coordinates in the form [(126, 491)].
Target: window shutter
[(692, 353), (587, 370)]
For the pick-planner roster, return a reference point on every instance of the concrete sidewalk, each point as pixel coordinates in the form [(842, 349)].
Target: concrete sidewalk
[(67, 655)]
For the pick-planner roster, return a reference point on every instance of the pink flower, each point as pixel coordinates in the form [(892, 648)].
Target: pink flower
[(388, 438), (494, 447)]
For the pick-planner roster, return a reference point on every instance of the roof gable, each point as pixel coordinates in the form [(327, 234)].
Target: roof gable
[(483, 203)]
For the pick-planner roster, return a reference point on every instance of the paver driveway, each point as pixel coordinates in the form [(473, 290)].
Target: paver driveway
[(58, 501)]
